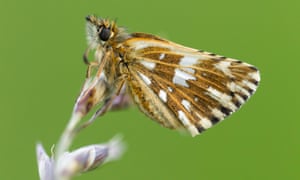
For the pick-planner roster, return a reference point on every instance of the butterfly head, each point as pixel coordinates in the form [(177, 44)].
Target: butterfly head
[(99, 30)]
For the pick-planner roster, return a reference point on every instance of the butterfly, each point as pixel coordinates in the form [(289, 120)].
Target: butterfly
[(179, 87)]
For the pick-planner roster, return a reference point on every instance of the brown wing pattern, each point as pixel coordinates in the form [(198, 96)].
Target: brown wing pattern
[(181, 87)]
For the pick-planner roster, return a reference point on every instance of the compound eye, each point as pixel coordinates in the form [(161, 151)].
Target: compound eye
[(104, 34)]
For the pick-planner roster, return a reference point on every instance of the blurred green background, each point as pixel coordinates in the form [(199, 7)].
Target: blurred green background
[(41, 73)]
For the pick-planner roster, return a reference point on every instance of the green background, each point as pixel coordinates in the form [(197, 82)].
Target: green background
[(41, 73)]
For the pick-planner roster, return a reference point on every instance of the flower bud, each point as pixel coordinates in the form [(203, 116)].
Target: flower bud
[(88, 158), (93, 92)]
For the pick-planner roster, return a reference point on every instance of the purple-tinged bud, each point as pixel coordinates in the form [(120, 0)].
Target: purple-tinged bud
[(88, 158)]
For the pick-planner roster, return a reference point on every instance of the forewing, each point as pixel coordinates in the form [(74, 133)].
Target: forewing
[(181, 87)]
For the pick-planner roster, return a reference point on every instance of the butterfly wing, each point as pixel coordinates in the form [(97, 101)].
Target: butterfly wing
[(184, 88)]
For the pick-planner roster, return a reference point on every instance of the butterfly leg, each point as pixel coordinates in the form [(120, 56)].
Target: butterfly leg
[(91, 65), (101, 59)]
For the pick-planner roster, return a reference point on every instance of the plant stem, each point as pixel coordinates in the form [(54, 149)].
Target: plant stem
[(66, 139)]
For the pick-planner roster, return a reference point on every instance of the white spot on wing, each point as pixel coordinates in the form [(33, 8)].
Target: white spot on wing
[(188, 60), (144, 44), (254, 75), (226, 98), (145, 78), (224, 67), (186, 122), (190, 70), (180, 77), (231, 86), (181, 115), (186, 104), (163, 95), (223, 98), (236, 88), (204, 122), (170, 89), (148, 65), (161, 56), (193, 130), (249, 84), (216, 112), (239, 98)]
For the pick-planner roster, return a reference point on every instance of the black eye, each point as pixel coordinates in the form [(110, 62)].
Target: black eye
[(104, 34)]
